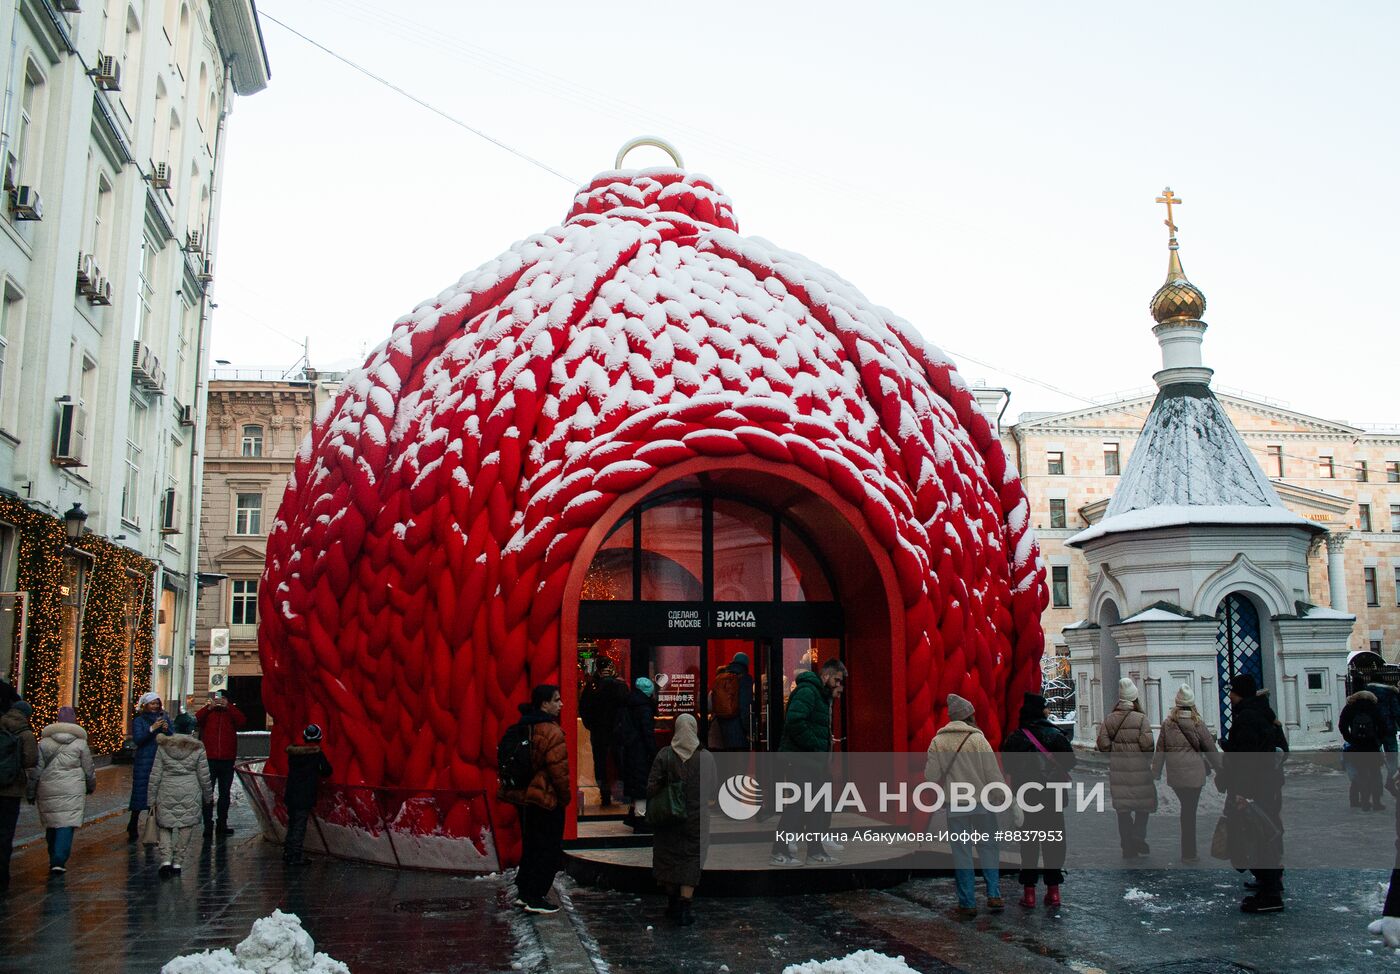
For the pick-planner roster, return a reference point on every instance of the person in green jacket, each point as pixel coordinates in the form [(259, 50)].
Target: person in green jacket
[(807, 729)]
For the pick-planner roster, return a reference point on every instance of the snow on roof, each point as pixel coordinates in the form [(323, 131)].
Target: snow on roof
[(1189, 454), (1322, 612), (1156, 614), (1178, 515)]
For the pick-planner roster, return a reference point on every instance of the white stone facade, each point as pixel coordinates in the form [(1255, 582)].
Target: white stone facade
[(114, 128)]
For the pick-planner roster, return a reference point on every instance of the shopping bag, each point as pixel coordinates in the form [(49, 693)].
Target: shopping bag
[(1220, 841), (150, 831)]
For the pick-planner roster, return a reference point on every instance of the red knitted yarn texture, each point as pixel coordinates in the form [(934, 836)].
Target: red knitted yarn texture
[(416, 569)]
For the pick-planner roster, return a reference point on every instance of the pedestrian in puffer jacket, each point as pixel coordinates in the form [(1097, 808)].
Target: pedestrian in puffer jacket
[(66, 778), (636, 736), (14, 722), (179, 790), (542, 801), (1363, 726), (150, 724), (1188, 753), (1126, 734), (1037, 752)]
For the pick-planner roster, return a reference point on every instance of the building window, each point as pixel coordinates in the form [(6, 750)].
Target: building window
[(28, 144), (252, 441), (1362, 474), (1110, 459), (1057, 512), (1314, 681), (102, 221), (243, 610), (1397, 584), (11, 341), (1276, 460), (1395, 517), (1055, 462), (144, 290), (1325, 468), (1392, 472), (1375, 645), (248, 514), (1363, 514), (1372, 595), (1059, 586), (131, 485)]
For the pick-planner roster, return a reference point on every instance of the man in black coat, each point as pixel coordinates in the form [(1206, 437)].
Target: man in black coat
[(1253, 775), (598, 707), (1036, 752)]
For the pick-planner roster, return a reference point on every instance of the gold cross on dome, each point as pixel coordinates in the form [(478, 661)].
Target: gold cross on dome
[(1171, 200)]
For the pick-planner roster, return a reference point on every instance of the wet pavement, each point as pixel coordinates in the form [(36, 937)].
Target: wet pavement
[(111, 913)]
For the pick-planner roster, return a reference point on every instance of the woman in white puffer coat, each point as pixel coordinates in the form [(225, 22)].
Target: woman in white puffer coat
[(178, 791), (66, 778)]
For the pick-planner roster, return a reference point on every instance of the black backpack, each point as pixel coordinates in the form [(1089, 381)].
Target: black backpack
[(515, 764), (11, 759), (1364, 731)]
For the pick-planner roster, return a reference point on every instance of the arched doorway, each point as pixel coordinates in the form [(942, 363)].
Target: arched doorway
[(695, 578), (1239, 648)]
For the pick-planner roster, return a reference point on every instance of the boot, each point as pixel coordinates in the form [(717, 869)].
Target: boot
[(131, 834), (1028, 897), (223, 828), (1052, 897), (686, 917)]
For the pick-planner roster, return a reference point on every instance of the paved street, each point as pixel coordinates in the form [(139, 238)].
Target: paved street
[(112, 914)]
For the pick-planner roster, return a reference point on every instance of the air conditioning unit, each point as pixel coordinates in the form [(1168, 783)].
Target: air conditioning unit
[(25, 203), (141, 359), (107, 74), (87, 273), (193, 242), (101, 292), (158, 379), (186, 415), (70, 435), (160, 176), (170, 512), (218, 642), (206, 273), (68, 6)]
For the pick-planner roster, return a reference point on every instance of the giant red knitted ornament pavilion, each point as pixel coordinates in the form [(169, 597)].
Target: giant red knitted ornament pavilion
[(416, 573)]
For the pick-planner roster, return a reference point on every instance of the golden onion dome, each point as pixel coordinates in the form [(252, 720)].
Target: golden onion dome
[(1178, 298)]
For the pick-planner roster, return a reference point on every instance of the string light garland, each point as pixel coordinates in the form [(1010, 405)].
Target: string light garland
[(114, 578)]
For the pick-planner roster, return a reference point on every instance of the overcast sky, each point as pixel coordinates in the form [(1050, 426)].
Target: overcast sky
[(986, 170)]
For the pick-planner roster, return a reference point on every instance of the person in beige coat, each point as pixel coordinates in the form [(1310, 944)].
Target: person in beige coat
[(960, 755), (178, 791), (1188, 752), (1126, 734), (66, 778)]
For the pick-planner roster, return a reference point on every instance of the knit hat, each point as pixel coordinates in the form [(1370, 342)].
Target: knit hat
[(7, 695), (312, 734), (1243, 685), (1184, 697), (1032, 708), (742, 659), (958, 707), (146, 698), (644, 685), (67, 715), (185, 724), (1127, 690)]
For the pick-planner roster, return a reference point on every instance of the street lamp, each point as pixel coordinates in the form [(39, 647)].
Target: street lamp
[(73, 521)]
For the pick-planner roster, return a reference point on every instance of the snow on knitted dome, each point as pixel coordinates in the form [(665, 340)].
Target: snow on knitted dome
[(416, 568)]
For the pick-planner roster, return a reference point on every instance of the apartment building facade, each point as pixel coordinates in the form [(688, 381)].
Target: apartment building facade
[(115, 120)]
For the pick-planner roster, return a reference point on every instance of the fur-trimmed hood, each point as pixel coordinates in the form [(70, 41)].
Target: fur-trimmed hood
[(64, 733), (180, 745), (1362, 696)]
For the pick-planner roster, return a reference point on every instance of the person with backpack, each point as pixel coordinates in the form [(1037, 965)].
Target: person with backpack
[(1188, 753), (731, 703), (1126, 734), (598, 706), (1362, 726), (150, 724), (681, 845), (219, 724), (1388, 699), (179, 788), (807, 731), (19, 759), (1037, 752), (306, 766), (532, 763), (636, 737), (66, 777)]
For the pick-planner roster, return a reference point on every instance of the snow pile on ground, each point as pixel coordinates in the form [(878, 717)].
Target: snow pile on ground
[(1135, 895), (861, 962), (277, 945)]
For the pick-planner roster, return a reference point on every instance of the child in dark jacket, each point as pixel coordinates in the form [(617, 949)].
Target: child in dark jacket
[(306, 766)]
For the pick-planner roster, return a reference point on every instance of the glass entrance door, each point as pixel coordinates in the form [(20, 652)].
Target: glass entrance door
[(677, 673)]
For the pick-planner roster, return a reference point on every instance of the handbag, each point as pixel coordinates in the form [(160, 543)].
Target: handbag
[(150, 831), (1220, 841), (667, 807)]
